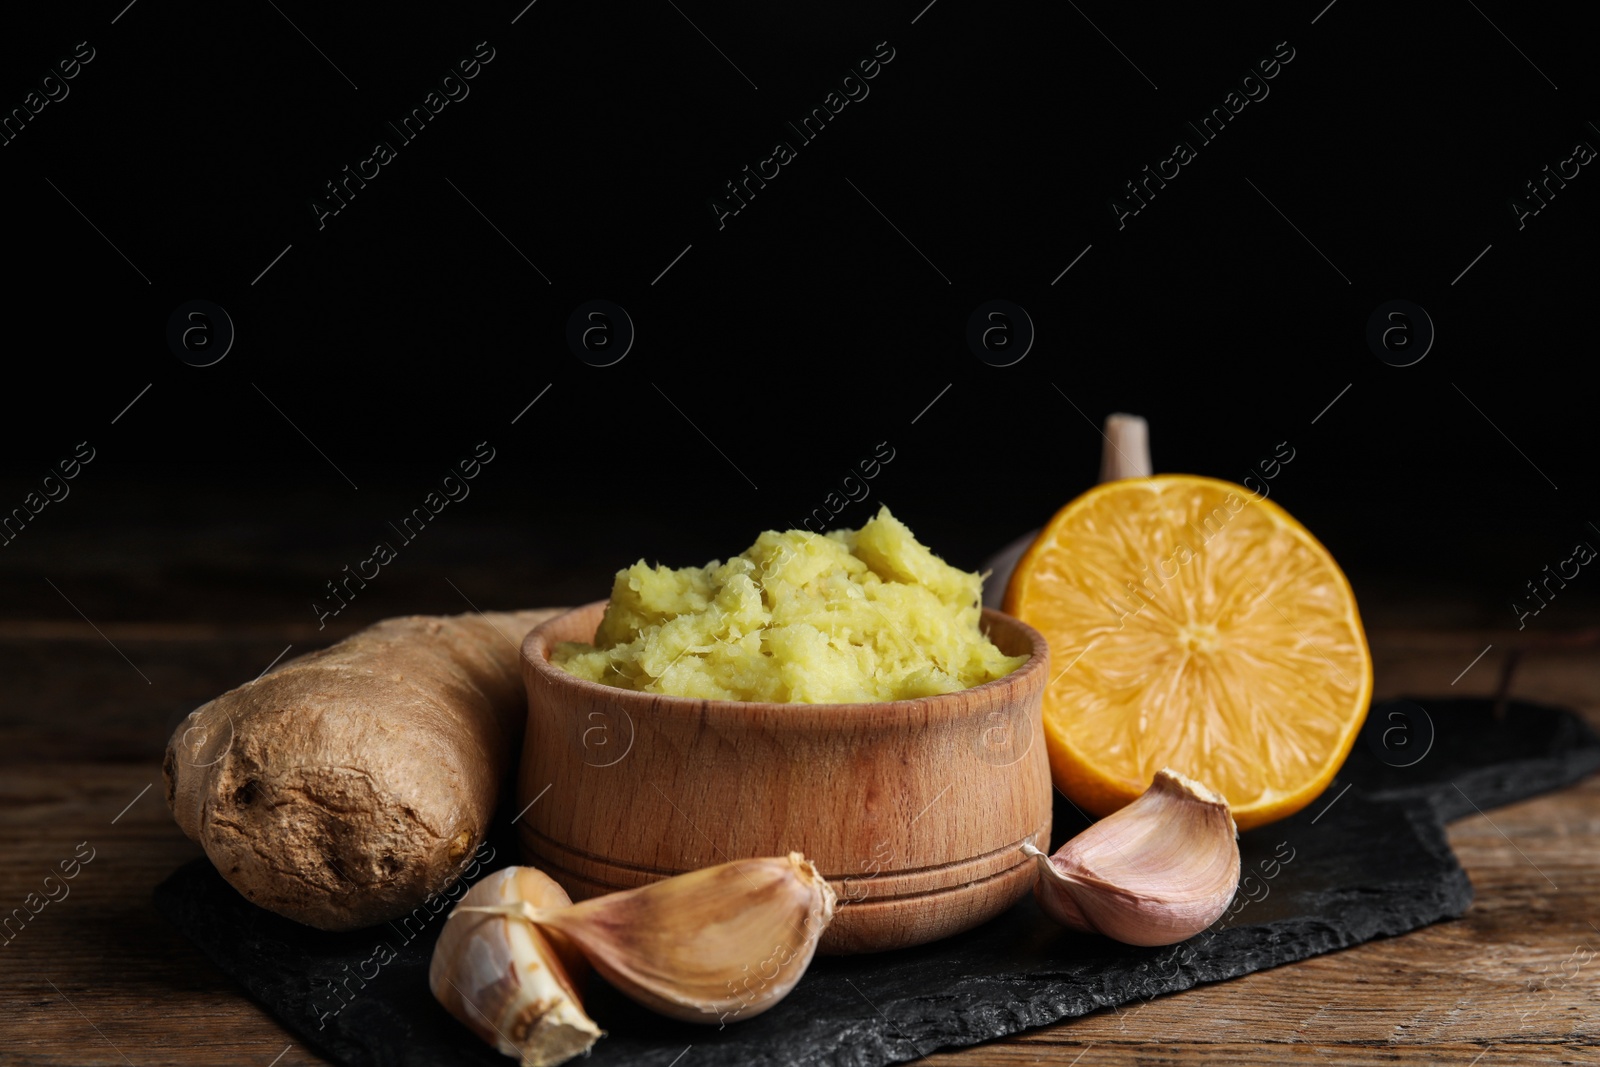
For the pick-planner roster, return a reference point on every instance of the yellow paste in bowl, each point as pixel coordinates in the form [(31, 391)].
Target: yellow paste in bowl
[(842, 617)]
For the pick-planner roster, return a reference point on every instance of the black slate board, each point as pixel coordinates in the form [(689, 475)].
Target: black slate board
[(1368, 859)]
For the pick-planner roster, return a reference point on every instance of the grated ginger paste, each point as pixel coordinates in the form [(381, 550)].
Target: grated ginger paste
[(798, 617)]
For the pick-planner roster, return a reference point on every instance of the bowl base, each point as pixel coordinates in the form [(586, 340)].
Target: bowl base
[(890, 910)]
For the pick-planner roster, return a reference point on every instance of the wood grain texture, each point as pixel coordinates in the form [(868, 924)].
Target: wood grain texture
[(98, 978), (913, 809)]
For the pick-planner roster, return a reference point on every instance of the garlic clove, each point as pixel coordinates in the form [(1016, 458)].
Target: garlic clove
[(512, 983), (1155, 872), (711, 946)]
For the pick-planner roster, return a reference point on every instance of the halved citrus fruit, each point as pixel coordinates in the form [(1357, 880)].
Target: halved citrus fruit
[(1196, 626)]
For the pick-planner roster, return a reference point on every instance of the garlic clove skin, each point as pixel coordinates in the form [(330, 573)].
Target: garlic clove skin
[(1155, 872), (510, 982), (711, 946)]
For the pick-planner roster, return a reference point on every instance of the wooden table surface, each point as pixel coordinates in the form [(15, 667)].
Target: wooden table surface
[(98, 977)]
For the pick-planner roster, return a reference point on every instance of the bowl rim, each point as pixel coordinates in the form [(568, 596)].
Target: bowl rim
[(535, 656)]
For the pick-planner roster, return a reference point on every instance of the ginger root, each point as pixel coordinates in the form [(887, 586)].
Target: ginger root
[(349, 785)]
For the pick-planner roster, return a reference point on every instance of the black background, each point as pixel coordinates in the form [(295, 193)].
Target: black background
[(414, 325)]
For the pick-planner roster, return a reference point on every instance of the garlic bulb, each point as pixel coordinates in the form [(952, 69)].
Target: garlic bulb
[(714, 945), (510, 982), (1155, 872)]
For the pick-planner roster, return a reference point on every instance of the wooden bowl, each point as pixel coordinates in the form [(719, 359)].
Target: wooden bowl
[(912, 809)]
